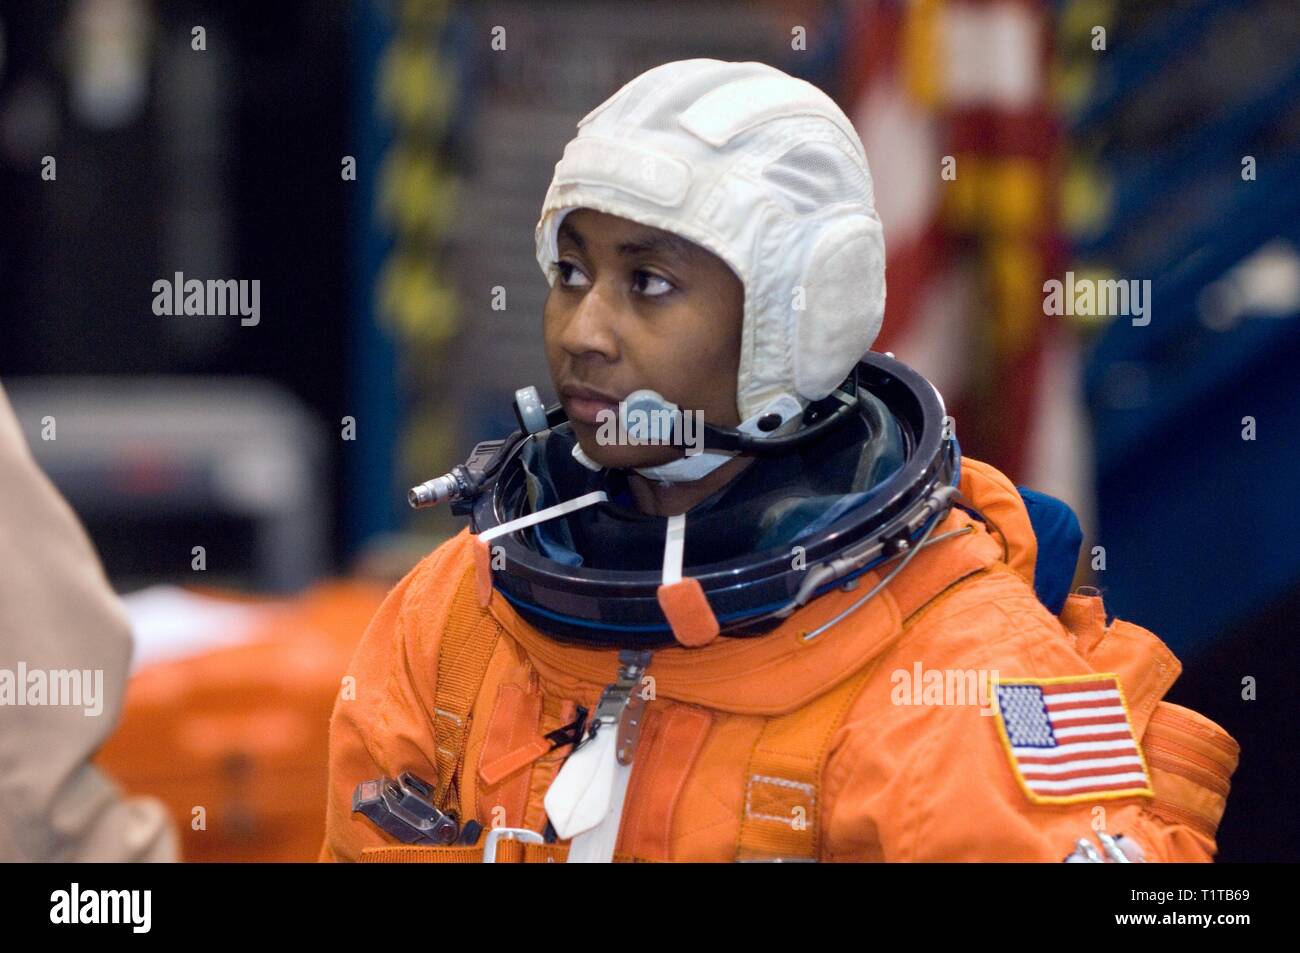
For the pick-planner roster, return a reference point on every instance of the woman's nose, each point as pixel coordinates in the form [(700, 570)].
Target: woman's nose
[(591, 326)]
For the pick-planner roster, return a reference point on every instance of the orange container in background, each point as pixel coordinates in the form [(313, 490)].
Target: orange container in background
[(235, 740)]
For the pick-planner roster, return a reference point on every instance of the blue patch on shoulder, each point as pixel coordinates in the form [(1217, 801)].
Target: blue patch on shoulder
[(1059, 540)]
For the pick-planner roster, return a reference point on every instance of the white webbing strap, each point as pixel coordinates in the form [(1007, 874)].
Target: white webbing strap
[(674, 545), (541, 516), (596, 844), (585, 800)]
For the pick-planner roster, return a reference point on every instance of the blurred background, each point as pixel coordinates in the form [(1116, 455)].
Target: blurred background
[(378, 167)]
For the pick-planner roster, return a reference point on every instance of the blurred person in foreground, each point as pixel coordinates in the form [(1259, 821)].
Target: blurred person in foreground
[(794, 623), (65, 650)]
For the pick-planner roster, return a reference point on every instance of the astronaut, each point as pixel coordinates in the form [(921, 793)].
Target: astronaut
[(644, 650)]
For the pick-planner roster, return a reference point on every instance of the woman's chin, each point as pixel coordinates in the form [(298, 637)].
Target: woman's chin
[(628, 457)]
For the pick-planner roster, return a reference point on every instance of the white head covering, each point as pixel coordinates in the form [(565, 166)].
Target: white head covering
[(766, 172)]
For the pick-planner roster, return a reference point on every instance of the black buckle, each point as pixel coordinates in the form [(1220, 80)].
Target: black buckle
[(469, 834), (569, 734)]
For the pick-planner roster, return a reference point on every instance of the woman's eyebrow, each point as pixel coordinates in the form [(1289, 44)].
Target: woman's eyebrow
[(667, 244), (571, 233)]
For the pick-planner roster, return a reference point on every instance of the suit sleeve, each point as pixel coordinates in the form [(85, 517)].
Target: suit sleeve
[(940, 786), (381, 725)]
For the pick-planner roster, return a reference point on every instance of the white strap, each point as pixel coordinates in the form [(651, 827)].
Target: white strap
[(579, 796), (674, 544), (585, 460), (541, 516), (596, 846), (585, 801), (686, 469)]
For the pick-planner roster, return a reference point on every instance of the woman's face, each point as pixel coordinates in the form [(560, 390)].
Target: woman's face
[(636, 307)]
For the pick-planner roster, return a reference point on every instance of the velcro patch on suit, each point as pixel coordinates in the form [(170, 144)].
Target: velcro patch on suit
[(788, 802), (687, 610), (720, 115), (1070, 739), (638, 170)]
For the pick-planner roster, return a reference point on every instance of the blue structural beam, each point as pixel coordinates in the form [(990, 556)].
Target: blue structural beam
[(1197, 522), (1180, 357), (373, 503), (1133, 63), (1199, 525), (1142, 183)]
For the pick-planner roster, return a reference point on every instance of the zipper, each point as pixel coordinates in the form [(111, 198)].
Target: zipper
[(1167, 757), (1209, 733), (1194, 819)]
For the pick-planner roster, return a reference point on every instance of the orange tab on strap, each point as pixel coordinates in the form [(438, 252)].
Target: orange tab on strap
[(482, 571), (500, 768), (688, 612), (513, 742)]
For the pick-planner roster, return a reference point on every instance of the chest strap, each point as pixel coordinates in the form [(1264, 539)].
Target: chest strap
[(784, 815), (783, 804), (466, 647)]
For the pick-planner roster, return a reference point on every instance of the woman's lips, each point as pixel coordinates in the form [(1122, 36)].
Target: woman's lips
[(586, 410), (585, 405)]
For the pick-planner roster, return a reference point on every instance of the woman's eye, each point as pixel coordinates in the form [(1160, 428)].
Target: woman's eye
[(567, 270), (651, 285)]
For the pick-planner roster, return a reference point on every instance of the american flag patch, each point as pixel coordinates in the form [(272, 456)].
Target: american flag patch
[(1070, 739)]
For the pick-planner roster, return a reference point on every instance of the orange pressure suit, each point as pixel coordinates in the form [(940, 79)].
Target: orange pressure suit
[(777, 746)]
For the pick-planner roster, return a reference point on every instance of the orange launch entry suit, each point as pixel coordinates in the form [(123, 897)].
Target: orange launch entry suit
[(879, 740)]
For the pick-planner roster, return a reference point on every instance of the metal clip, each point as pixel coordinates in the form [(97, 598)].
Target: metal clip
[(622, 704), (404, 809)]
